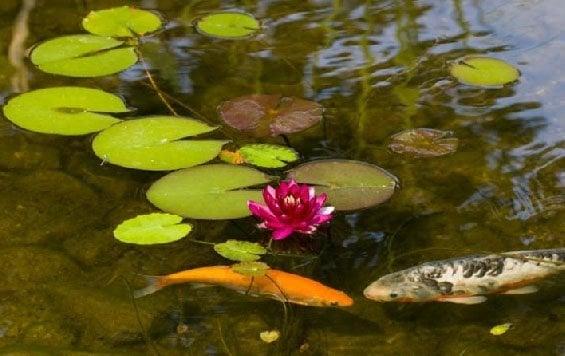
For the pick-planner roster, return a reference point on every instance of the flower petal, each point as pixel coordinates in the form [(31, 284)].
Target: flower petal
[(282, 233), (260, 211)]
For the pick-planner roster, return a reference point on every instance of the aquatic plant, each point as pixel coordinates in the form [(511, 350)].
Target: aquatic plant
[(290, 208)]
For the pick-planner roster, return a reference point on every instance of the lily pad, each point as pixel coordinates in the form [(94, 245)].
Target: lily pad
[(350, 185), (270, 115), (213, 191), (423, 142), (150, 229), (484, 71), (241, 251), (64, 110), (83, 56), (251, 269), (231, 25), (154, 143), (268, 156), (123, 21)]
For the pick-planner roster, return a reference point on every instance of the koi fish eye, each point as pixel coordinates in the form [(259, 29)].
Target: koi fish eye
[(393, 295)]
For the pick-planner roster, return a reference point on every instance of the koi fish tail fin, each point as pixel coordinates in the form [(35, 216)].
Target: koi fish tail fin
[(153, 284)]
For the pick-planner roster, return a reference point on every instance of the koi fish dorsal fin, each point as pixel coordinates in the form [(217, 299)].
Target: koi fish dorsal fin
[(464, 300), (153, 285), (523, 290)]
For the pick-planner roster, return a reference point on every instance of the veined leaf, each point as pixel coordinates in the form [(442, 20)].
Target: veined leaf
[(154, 143), (123, 21), (83, 56), (241, 251), (157, 228), (350, 185), (251, 269), (64, 110), (268, 156), (230, 25), (213, 191), (484, 71)]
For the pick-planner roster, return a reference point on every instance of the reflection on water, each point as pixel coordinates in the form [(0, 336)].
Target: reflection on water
[(379, 67)]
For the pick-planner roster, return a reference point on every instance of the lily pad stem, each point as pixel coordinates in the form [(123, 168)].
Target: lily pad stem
[(153, 83)]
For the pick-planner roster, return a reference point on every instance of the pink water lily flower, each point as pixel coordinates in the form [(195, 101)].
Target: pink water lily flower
[(291, 208)]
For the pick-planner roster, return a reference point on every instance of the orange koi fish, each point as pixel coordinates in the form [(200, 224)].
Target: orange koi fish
[(279, 285)]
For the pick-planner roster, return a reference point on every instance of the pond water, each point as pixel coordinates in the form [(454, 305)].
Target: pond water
[(378, 67)]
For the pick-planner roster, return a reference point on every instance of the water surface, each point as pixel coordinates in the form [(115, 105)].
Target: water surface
[(378, 67)]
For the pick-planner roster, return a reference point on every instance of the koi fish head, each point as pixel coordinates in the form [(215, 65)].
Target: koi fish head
[(403, 292)]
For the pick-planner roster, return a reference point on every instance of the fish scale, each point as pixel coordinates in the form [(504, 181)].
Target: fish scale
[(454, 279)]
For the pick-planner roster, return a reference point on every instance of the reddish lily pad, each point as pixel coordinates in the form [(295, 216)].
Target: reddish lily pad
[(350, 185), (270, 115), (423, 142)]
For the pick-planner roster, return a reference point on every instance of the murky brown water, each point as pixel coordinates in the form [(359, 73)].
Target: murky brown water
[(378, 67)]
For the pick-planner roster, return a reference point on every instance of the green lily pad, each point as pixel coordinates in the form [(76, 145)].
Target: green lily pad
[(157, 228), (123, 21), (241, 251), (350, 185), (154, 143), (251, 269), (64, 110), (232, 25), (83, 56), (484, 71), (268, 156), (213, 191), (270, 115), (423, 142)]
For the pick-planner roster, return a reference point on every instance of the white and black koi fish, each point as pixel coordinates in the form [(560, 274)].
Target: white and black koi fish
[(466, 279)]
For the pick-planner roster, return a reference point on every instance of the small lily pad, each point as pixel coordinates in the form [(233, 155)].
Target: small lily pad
[(64, 110), (123, 21), (251, 269), (350, 185), (270, 115), (270, 336), (157, 228), (484, 71), (500, 329), (268, 156), (83, 56), (423, 142), (154, 143), (241, 251), (230, 25), (212, 191)]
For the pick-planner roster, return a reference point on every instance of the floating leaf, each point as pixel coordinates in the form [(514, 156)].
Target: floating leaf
[(241, 251), (350, 185), (208, 192), (270, 336), (484, 71), (251, 269), (157, 228), (423, 142), (231, 157), (273, 115), (500, 329), (268, 156), (124, 21), (64, 110), (232, 25), (154, 143), (83, 56)]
